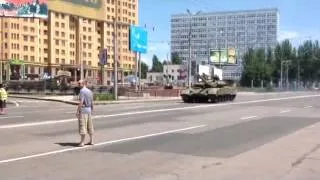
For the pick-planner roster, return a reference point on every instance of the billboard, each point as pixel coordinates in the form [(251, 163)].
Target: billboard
[(138, 39), (83, 8), (223, 56), (24, 8)]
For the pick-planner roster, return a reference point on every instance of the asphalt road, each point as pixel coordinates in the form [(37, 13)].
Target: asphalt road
[(165, 140)]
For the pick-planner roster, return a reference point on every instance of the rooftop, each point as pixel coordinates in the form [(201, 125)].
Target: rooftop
[(229, 12)]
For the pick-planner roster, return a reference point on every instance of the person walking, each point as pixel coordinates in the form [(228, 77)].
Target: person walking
[(84, 113), (3, 99)]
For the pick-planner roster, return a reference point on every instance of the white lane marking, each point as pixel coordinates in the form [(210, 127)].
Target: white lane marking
[(307, 107), (101, 144), (108, 110), (248, 117), (285, 111), (21, 111), (8, 117), (11, 126)]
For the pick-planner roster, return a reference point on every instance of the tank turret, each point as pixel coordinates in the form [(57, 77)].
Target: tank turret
[(209, 90)]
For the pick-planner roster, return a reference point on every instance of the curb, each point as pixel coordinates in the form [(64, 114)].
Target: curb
[(96, 102), (14, 103), (44, 99)]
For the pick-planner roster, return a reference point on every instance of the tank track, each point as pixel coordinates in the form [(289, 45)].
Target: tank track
[(205, 99)]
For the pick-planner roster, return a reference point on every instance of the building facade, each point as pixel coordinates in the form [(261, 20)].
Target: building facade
[(62, 41), (222, 30), (175, 74)]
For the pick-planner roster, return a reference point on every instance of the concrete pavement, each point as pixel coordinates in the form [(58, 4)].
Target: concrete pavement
[(256, 137)]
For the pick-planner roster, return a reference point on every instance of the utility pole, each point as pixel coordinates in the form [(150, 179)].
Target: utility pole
[(281, 75), (189, 62), (287, 73), (190, 24), (287, 80), (2, 49), (115, 41), (140, 76), (81, 60), (136, 73), (298, 73)]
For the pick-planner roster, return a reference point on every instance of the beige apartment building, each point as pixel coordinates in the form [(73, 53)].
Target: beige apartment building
[(62, 41)]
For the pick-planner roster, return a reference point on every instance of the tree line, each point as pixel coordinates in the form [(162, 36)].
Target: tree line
[(300, 64), (157, 65)]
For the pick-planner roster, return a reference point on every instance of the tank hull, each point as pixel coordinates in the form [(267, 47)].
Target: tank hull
[(209, 95)]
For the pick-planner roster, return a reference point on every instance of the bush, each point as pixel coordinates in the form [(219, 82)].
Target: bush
[(103, 97), (269, 88)]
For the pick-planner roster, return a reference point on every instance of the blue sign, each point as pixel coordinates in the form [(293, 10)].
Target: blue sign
[(103, 57), (138, 39)]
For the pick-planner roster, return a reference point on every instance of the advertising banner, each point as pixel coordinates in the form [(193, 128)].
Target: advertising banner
[(232, 56), (224, 56), (138, 39), (24, 8), (84, 8)]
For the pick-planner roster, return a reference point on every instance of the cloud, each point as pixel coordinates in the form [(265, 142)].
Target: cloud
[(160, 49), (298, 37), (287, 35)]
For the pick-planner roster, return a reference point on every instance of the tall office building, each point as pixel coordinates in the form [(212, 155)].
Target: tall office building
[(65, 38), (222, 30)]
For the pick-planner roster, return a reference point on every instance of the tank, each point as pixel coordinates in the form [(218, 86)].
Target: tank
[(210, 90)]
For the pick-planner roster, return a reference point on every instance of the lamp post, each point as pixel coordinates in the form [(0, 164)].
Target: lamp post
[(287, 72), (190, 29), (2, 49)]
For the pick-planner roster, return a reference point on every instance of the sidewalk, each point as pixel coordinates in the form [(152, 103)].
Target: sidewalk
[(73, 100), (293, 157)]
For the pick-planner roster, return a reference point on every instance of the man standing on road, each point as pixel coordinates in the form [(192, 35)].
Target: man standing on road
[(3, 99), (84, 112)]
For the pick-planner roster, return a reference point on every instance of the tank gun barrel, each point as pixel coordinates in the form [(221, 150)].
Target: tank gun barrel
[(203, 77)]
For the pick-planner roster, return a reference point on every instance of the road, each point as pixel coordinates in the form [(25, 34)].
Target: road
[(270, 136)]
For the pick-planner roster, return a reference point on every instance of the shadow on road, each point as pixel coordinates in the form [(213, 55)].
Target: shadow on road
[(66, 144)]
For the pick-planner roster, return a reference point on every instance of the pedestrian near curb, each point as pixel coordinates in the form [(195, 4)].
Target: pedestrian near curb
[(84, 112), (3, 100)]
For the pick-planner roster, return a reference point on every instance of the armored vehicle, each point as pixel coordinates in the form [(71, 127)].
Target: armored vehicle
[(209, 90)]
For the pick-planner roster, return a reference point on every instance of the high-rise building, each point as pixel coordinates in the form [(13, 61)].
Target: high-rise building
[(63, 40), (222, 30)]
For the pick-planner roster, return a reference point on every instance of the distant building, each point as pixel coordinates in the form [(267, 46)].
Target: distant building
[(176, 74), (155, 77), (222, 30)]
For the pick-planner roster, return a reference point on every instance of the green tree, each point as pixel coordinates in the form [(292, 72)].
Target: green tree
[(156, 64), (257, 67), (175, 59), (144, 70)]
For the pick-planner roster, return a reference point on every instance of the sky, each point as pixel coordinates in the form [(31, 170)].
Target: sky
[(298, 19), (21, 1)]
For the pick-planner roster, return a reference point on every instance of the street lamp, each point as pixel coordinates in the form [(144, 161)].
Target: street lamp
[(190, 28), (287, 73), (2, 48)]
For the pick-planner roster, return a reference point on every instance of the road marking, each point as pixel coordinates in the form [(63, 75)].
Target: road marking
[(100, 144), (11, 126), (307, 107), (28, 111), (248, 117), (285, 111), (108, 110), (8, 117)]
